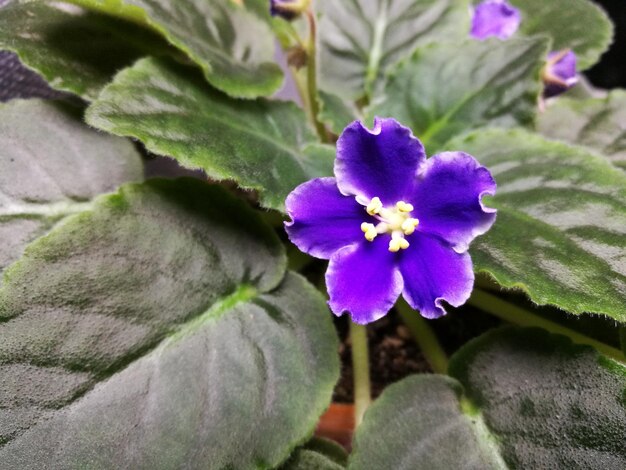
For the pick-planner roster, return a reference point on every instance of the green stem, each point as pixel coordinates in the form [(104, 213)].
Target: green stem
[(361, 371), (312, 77), (424, 337), (519, 316)]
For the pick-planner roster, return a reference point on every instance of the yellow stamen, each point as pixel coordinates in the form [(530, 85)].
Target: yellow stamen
[(369, 230), (409, 225), (374, 206), (404, 207), (398, 242), (395, 221)]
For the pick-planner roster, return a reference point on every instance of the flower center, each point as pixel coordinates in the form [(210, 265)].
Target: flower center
[(396, 221)]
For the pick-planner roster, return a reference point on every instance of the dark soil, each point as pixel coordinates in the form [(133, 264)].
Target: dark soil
[(395, 355)]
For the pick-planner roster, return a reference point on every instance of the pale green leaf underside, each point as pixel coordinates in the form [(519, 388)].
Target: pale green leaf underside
[(580, 25), (263, 145), (234, 47), (446, 89), (73, 49), (561, 229), (533, 400), (361, 39), (52, 165), (127, 329), (597, 123)]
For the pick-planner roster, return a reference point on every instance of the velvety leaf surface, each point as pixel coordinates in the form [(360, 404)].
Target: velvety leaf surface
[(234, 47), (260, 144), (361, 39), (52, 165), (157, 331), (417, 424), (580, 25), (551, 404), (561, 228), (73, 49), (317, 454), (447, 89), (335, 112), (597, 123), (532, 400)]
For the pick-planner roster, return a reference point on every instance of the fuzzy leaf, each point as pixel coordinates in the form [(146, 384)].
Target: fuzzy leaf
[(317, 454), (551, 403), (361, 39), (73, 49), (446, 89), (234, 47), (263, 145), (532, 400), (336, 113), (52, 166), (580, 25), (417, 424), (597, 123), (159, 331), (561, 228)]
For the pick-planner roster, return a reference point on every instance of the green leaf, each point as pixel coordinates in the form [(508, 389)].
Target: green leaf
[(317, 454), (335, 112), (580, 25), (533, 400), (361, 39), (52, 166), (417, 423), (74, 50), (159, 331), (234, 47), (446, 89), (560, 234), (551, 404), (262, 145), (597, 123)]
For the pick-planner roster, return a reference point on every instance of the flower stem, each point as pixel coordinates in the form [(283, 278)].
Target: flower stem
[(519, 316), (361, 371), (424, 337), (312, 77)]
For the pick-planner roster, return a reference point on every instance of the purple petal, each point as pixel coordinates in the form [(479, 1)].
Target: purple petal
[(322, 219), (560, 73), (495, 18), (364, 280), (380, 163), (434, 272), (447, 198)]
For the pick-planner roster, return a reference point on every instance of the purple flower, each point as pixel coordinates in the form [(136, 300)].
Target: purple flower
[(288, 9), (392, 222), (559, 74), (495, 18)]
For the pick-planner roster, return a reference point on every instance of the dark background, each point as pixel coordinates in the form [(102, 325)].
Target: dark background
[(610, 72)]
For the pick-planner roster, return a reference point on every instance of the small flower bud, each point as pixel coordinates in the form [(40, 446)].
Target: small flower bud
[(495, 18), (559, 73), (288, 9)]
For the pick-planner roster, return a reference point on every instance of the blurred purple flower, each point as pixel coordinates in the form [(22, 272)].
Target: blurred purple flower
[(392, 222), (559, 74), (495, 18)]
